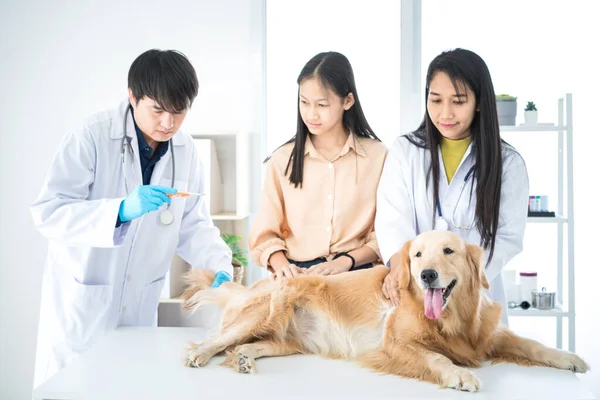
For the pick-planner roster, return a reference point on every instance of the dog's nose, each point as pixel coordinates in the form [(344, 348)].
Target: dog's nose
[(429, 275)]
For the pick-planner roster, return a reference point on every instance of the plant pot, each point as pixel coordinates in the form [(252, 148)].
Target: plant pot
[(238, 272), (507, 112), (531, 117)]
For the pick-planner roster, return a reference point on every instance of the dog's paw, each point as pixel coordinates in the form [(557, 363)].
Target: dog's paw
[(240, 362), (196, 357), (461, 379), (243, 363), (570, 361)]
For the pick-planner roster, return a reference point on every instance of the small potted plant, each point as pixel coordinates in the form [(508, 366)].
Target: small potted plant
[(531, 114), (507, 109), (238, 259)]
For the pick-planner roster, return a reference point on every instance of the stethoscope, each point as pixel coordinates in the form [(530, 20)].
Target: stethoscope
[(166, 216), (440, 222)]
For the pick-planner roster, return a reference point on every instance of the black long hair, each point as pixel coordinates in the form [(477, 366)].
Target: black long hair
[(465, 68), (335, 73)]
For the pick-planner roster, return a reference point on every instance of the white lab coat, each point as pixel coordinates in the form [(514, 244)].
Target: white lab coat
[(98, 277), (405, 204)]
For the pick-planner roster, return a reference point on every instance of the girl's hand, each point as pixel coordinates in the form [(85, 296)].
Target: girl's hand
[(337, 266), (286, 271)]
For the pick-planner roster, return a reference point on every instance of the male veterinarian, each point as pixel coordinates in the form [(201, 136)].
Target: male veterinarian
[(112, 226)]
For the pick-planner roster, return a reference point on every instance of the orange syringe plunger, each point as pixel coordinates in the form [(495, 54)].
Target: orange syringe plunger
[(178, 194)]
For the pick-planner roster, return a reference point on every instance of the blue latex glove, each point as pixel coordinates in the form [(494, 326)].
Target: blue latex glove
[(221, 277), (144, 199)]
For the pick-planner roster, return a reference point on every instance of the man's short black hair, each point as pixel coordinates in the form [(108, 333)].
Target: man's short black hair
[(165, 76)]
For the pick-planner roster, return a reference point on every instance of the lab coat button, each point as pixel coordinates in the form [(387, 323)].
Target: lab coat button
[(330, 197), (128, 278), (330, 165)]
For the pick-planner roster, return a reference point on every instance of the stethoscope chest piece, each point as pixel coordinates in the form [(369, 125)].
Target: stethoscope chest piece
[(166, 217)]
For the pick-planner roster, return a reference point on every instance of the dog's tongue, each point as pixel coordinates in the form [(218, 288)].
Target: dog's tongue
[(433, 303)]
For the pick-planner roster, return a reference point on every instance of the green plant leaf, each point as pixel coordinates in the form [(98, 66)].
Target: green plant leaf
[(505, 97), (237, 253)]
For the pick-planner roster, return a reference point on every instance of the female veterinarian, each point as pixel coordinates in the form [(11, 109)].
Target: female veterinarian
[(455, 172), (112, 229), (317, 209)]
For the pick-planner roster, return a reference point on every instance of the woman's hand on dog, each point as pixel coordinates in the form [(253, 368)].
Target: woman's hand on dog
[(390, 287)]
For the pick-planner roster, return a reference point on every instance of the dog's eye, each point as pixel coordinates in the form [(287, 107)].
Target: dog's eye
[(448, 250), (418, 254)]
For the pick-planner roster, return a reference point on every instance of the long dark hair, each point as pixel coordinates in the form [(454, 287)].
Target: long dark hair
[(465, 68), (335, 73)]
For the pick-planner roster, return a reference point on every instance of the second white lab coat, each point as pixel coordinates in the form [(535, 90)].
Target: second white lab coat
[(97, 276), (405, 204)]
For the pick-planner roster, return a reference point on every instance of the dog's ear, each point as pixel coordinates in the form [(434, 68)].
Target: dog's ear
[(475, 260), (403, 266)]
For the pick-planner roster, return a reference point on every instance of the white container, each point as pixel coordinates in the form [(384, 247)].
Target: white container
[(509, 277), (544, 203), (529, 283), (511, 287), (513, 292), (531, 117)]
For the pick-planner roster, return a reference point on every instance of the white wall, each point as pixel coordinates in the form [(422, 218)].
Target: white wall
[(63, 60), (367, 33), (539, 50)]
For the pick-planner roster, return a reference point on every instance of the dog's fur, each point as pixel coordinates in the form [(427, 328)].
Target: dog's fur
[(346, 316)]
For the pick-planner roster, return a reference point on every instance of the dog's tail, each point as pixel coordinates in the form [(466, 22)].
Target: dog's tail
[(198, 290)]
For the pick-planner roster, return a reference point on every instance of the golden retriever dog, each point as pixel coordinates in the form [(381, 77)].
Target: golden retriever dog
[(442, 324)]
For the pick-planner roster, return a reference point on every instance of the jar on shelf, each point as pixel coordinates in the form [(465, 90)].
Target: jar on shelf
[(529, 283)]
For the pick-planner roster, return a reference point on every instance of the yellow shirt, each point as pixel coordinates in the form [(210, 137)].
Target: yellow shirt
[(452, 154), (333, 211)]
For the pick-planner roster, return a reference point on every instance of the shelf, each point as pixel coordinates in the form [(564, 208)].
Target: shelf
[(559, 219), (170, 301), (228, 216), (533, 128), (227, 173), (534, 312)]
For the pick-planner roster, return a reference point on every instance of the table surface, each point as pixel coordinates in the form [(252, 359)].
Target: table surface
[(146, 363)]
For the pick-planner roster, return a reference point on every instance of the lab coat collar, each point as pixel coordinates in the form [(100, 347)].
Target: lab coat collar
[(116, 130)]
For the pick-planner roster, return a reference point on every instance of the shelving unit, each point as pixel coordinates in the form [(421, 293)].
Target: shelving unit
[(226, 177), (559, 219), (563, 220)]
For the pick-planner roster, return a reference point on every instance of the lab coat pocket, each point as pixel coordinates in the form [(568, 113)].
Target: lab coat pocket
[(84, 312), (149, 305), (463, 214), (464, 219)]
